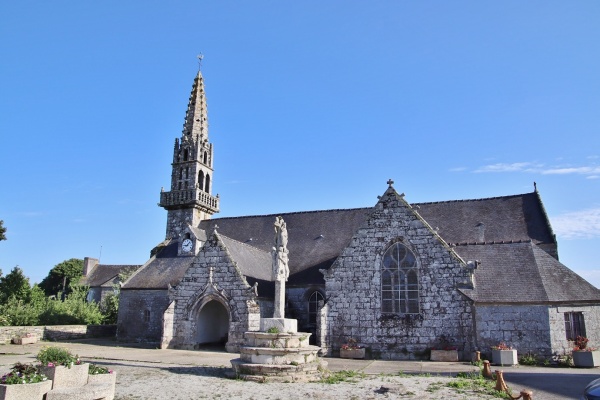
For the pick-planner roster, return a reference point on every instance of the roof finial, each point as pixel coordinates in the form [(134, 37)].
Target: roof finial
[(200, 57), (534, 186), (390, 182)]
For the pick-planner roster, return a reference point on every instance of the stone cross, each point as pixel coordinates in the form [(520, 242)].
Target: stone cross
[(280, 271)]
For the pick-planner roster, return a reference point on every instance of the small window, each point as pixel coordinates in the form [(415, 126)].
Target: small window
[(205, 158), (313, 306), (207, 184), (185, 155), (574, 325), (146, 315), (399, 281)]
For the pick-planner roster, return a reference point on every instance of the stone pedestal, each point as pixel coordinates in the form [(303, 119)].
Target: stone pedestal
[(283, 356), (504, 357), (279, 325)]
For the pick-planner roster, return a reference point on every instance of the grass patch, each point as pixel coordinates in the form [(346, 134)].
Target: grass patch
[(474, 382), (343, 376)]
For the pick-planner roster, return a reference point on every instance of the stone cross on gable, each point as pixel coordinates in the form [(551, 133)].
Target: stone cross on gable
[(390, 182)]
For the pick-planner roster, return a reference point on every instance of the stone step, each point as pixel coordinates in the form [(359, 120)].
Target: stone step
[(97, 391), (277, 356), (278, 373), (281, 340)]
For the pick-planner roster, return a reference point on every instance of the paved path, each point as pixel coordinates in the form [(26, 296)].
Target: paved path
[(547, 383)]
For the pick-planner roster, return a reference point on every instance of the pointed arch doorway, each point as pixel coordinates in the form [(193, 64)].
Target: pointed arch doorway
[(212, 325)]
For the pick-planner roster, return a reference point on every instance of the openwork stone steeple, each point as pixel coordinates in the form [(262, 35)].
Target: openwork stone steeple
[(190, 201)]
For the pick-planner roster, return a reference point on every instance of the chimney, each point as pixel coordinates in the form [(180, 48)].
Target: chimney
[(88, 265)]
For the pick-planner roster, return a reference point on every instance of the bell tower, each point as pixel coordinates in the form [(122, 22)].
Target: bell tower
[(190, 201)]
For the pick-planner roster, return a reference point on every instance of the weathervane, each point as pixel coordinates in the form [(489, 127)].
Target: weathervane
[(200, 57)]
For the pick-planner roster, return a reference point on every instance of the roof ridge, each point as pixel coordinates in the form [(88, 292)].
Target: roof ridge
[(512, 241), (479, 199), (289, 213)]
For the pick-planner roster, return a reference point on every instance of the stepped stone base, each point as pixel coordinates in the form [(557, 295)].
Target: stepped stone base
[(278, 357)]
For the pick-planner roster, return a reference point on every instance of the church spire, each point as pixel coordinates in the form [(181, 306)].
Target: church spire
[(196, 118), (190, 201)]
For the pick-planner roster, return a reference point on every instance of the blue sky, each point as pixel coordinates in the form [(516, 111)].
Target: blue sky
[(312, 105)]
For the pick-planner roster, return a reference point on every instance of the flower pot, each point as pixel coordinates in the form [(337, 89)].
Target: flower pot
[(25, 340), (352, 353), (61, 376), (444, 355), (586, 359), (504, 357), (26, 391)]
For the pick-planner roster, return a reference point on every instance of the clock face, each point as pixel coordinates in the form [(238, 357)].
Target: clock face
[(187, 245)]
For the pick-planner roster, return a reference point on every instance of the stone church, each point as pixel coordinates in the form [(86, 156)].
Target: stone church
[(399, 278)]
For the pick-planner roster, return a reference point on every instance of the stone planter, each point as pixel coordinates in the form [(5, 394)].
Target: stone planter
[(352, 353), (586, 359), (444, 355), (27, 391), (504, 357), (108, 380), (75, 376), (25, 340)]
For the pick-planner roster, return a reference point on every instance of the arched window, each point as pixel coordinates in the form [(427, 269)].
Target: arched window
[(399, 281), (201, 180), (146, 315), (180, 173), (313, 306), (207, 184), (187, 172), (205, 157), (185, 155)]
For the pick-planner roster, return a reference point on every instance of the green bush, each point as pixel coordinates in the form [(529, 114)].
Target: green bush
[(56, 355)]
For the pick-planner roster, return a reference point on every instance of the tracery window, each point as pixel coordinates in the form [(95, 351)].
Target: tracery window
[(399, 281)]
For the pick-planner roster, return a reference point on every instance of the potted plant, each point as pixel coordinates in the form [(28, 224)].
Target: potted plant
[(24, 382), (584, 356), (103, 376), (26, 338), (444, 351), (503, 354), (64, 368), (352, 350)]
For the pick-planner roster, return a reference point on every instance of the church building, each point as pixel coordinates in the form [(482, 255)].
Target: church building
[(399, 278)]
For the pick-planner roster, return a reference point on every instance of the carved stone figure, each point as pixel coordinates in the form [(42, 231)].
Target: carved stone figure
[(280, 271)]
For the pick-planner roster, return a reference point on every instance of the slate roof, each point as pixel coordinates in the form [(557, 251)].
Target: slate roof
[(521, 272), (103, 274)]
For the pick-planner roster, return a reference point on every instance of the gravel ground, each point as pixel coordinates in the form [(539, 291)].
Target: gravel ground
[(149, 381)]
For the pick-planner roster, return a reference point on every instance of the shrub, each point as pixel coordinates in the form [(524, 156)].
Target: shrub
[(52, 356)]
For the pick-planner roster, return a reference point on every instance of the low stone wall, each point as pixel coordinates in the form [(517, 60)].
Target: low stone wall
[(57, 332)]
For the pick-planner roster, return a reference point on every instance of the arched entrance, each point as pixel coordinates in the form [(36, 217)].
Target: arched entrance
[(212, 324)]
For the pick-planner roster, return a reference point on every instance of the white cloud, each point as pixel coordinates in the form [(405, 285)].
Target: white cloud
[(505, 167), (578, 224), (572, 170)]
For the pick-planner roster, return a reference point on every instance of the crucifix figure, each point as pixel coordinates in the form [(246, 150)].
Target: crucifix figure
[(280, 270)]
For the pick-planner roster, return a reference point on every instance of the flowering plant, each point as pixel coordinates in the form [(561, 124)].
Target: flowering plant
[(502, 346), (97, 370), (21, 374), (52, 356), (351, 345), (581, 344)]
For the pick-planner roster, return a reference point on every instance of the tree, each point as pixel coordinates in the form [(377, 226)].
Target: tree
[(62, 277), (14, 284), (2, 230)]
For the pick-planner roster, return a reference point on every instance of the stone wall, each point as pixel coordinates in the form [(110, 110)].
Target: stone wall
[(558, 335), (212, 277), (353, 287), (141, 315), (57, 332), (524, 327)]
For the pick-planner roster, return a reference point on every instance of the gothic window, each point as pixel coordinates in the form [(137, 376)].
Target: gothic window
[(207, 186), (399, 281), (185, 155), (205, 158), (313, 306), (201, 180), (574, 325)]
